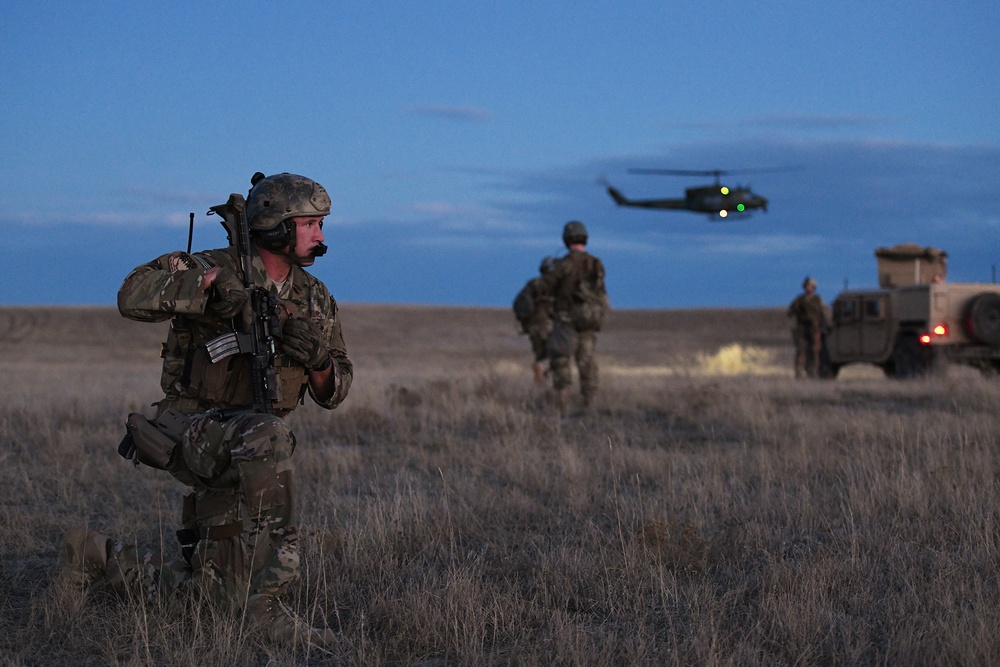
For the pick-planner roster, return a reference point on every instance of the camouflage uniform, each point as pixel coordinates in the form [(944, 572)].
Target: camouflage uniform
[(238, 523), (566, 340), (808, 319), (539, 327)]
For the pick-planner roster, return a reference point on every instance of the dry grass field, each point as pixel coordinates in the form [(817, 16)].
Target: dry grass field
[(712, 511)]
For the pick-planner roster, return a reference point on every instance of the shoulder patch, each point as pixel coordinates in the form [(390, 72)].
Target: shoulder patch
[(181, 261)]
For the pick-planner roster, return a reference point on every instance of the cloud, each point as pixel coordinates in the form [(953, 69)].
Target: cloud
[(97, 219), (825, 219), (455, 113), (791, 120), (475, 219), (451, 242), (763, 245), (161, 196), (440, 209), (126, 205), (788, 121), (849, 197), (817, 121)]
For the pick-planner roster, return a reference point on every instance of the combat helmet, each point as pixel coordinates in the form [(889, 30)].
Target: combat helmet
[(548, 263), (809, 280), (273, 200), (574, 232)]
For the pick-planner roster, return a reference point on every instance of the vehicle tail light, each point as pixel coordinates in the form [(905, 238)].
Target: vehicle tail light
[(937, 331)]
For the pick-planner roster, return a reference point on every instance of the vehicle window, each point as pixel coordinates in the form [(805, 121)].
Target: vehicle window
[(873, 309), (845, 311)]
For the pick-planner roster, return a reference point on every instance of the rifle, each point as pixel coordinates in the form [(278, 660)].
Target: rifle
[(260, 317)]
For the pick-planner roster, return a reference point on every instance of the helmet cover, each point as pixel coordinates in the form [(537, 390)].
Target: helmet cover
[(277, 198), (574, 232)]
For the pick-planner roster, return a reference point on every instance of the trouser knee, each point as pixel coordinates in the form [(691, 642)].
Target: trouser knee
[(262, 436)]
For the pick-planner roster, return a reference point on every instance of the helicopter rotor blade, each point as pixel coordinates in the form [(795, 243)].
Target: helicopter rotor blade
[(711, 172), (679, 172)]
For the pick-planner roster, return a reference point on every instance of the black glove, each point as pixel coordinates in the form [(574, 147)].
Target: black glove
[(227, 296), (302, 340)]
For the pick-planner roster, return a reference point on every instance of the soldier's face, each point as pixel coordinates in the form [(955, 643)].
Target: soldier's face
[(308, 240)]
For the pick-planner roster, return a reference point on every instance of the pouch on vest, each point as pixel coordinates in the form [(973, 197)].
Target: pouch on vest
[(145, 443)]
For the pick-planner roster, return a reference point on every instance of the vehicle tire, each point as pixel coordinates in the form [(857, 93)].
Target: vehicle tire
[(910, 359), (982, 319)]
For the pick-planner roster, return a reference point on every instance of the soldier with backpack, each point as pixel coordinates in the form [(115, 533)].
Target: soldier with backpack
[(580, 301), (533, 310)]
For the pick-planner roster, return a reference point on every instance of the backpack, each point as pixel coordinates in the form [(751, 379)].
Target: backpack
[(590, 303), (524, 305)]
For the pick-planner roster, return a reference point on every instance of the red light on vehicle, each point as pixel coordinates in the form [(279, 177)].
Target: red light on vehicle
[(941, 330), (925, 339)]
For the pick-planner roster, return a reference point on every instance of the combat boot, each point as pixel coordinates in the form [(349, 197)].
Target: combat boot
[(281, 626), (85, 556)]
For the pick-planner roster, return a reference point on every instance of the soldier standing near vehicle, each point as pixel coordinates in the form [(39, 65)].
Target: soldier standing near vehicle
[(238, 535), (533, 309), (576, 284), (808, 316)]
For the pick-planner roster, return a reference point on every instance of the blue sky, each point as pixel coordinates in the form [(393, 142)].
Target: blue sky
[(456, 139)]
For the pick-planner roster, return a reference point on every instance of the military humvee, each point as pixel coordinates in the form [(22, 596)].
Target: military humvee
[(915, 321)]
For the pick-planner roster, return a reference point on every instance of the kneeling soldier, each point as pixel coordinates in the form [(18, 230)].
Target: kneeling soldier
[(233, 448)]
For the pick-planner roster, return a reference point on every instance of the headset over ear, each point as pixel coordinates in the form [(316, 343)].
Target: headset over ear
[(276, 237)]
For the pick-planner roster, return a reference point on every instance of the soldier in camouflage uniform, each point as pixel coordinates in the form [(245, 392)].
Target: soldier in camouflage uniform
[(808, 317), (539, 326), (238, 531), (568, 338)]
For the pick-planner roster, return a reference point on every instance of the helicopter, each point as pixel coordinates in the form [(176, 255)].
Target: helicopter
[(714, 199)]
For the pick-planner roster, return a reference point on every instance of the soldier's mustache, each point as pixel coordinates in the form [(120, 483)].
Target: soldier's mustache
[(319, 250)]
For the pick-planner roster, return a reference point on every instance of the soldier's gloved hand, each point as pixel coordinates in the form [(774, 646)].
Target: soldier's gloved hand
[(227, 296), (302, 340)]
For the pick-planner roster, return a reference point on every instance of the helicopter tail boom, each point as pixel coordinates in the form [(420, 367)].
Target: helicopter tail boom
[(622, 200)]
